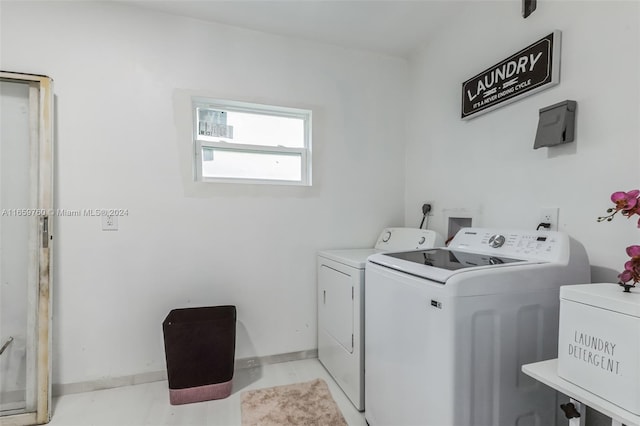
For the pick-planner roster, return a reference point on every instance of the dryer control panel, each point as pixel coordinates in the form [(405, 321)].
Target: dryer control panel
[(550, 246), (395, 239)]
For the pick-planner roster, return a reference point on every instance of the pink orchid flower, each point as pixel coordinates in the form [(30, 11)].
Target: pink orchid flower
[(628, 203), (631, 267), (625, 200), (634, 252)]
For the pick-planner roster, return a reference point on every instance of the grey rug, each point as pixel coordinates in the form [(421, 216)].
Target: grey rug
[(308, 403)]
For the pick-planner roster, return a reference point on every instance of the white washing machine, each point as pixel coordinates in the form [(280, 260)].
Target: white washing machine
[(448, 329), (341, 305)]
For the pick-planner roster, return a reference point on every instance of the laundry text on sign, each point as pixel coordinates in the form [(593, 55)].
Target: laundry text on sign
[(532, 69), (505, 71)]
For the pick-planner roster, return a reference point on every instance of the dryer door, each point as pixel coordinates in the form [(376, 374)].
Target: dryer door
[(335, 304), (341, 326)]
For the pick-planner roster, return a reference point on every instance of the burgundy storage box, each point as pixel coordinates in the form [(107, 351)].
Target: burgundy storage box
[(199, 346)]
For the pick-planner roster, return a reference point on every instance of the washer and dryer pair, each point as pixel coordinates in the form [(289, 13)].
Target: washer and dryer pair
[(447, 329), (341, 290)]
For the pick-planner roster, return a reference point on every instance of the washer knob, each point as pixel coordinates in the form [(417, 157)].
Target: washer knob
[(387, 236), (496, 241), (421, 240)]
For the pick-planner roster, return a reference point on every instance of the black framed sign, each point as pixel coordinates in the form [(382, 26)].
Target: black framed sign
[(534, 68)]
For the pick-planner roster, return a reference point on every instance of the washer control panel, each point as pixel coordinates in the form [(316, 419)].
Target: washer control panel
[(544, 245)]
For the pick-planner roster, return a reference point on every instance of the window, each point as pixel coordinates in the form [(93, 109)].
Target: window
[(251, 143)]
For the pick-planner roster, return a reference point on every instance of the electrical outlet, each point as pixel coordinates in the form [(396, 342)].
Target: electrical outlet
[(550, 215), (109, 223)]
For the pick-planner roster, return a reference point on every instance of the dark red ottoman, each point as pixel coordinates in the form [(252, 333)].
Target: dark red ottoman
[(199, 346)]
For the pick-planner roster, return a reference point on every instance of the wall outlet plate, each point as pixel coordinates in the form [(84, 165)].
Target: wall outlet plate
[(550, 215), (109, 223)]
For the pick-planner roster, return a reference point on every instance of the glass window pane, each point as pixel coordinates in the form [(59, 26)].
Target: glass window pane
[(250, 128), (15, 193), (222, 163), (213, 123)]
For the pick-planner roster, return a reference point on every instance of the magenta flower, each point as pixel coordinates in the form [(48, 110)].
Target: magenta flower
[(629, 204), (631, 268), (631, 273), (625, 200), (634, 252)]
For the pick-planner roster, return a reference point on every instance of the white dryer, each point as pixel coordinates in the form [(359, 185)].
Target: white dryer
[(341, 291), (448, 329)]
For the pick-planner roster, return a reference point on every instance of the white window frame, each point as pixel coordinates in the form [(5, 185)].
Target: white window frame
[(278, 111)]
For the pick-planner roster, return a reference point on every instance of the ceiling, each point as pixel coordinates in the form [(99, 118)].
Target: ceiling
[(392, 27)]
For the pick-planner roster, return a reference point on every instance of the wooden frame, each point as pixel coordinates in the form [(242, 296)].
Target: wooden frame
[(41, 135)]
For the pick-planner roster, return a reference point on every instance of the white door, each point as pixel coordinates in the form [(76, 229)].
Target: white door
[(25, 247), (336, 304)]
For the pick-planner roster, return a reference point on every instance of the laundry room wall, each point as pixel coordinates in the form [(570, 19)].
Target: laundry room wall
[(116, 70), (486, 166)]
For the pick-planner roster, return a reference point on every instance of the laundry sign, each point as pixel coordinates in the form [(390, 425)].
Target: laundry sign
[(534, 68)]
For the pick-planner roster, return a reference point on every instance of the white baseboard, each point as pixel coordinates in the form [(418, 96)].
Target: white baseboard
[(156, 376)]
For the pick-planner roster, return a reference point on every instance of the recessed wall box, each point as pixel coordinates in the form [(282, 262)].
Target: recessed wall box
[(556, 124)]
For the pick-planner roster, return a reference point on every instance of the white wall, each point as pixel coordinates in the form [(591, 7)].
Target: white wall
[(488, 164), (115, 70)]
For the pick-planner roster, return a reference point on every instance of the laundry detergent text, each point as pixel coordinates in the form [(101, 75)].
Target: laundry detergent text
[(595, 351), (488, 85)]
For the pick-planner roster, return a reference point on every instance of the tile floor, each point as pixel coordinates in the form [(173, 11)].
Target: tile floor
[(148, 404)]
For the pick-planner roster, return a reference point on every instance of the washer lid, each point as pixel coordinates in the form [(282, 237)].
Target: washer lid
[(440, 264)]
